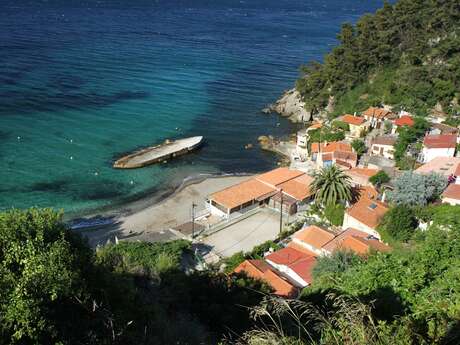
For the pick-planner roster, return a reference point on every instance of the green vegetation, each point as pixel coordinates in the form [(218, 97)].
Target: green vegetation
[(380, 178), (334, 213), (359, 146), (56, 290), (331, 185), (326, 134), (405, 54), (417, 190), (336, 263), (398, 224), (256, 253), (408, 296), (407, 136)]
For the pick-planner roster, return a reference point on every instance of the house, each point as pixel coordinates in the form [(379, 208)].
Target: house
[(441, 128), (293, 264), (379, 163), (358, 125), (336, 152), (446, 166), (437, 116), (383, 146), (360, 176), (259, 269), (377, 116), (365, 215), (442, 145), (311, 239), (282, 185), (302, 144), (356, 241), (452, 194), (403, 121)]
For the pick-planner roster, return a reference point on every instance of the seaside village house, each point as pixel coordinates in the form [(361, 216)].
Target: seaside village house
[(366, 214), (360, 176), (339, 153), (292, 187), (383, 146), (290, 269), (358, 125), (434, 146), (377, 116), (402, 121), (302, 141), (452, 193), (441, 128)]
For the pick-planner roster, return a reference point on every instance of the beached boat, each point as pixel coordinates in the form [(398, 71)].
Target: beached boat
[(159, 153)]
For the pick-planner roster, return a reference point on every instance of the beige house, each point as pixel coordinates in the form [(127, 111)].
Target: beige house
[(358, 125), (360, 176), (377, 116), (383, 146)]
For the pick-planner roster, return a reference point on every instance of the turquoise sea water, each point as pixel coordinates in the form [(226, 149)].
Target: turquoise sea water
[(82, 82)]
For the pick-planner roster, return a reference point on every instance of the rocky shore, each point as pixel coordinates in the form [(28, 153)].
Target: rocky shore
[(290, 105)]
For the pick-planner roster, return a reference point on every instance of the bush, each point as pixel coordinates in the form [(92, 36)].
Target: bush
[(341, 125), (338, 262), (359, 146), (380, 178), (399, 223), (334, 213)]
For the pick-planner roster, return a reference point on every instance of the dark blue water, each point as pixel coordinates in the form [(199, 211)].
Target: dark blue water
[(82, 82)]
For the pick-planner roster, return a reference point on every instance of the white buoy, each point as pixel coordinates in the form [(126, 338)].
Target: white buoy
[(71, 140), (96, 173), (131, 182), (19, 138), (71, 157)]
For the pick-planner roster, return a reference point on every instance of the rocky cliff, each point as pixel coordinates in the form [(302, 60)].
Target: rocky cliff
[(291, 105)]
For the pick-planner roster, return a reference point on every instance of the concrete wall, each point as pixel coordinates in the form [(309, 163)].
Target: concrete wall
[(387, 151), (290, 273)]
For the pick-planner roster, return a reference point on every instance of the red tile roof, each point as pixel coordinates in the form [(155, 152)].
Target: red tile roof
[(440, 141), (452, 192), (442, 165), (404, 121), (301, 248), (385, 140), (304, 268), (331, 147), (378, 113), (259, 269), (356, 241), (298, 261), (353, 120), (457, 171)]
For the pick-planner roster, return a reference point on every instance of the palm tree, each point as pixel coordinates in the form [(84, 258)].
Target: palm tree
[(331, 185)]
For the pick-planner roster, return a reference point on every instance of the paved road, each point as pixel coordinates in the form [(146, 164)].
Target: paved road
[(244, 235)]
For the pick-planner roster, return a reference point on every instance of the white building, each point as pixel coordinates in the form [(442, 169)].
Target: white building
[(438, 146), (383, 146)]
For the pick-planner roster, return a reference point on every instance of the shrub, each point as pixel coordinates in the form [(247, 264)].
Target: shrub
[(399, 223), (379, 178), (359, 146), (334, 213)]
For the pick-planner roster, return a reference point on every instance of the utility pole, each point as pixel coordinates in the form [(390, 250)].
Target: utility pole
[(193, 219), (281, 212)]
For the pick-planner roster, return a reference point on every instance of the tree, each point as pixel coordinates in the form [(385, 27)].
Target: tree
[(414, 189), (331, 185), (399, 223), (359, 146), (338, 262), (380, 178), (334, 213)]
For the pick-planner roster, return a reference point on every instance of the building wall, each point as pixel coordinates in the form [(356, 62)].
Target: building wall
[(430, 154), (387, 151), (355, 131), (350, 222), (290, 273), (450, 201), (215, 211)]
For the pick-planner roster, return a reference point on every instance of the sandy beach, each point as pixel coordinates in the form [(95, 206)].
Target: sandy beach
[(152, 222)]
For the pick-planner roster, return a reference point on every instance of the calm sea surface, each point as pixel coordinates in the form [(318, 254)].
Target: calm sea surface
[(82, 82)]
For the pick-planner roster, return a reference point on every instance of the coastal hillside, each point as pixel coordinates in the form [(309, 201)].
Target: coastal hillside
[(405, 55)]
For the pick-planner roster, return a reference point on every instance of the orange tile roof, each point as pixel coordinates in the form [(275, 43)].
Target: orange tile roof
[(353, 120), (442, 165), (301, 248), (366, 192), (259, 269), (378, 113), (304, 268), (367, 211), (404, 121), (343, 164), (356, 241), (241, 193), (331, 147), (452, 192), (278, 176), (345, 155), (388, 140), (315, 126), (314, 236), (366, 172), (298, 188), (440, 141)]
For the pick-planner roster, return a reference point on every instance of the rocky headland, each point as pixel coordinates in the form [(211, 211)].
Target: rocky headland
[(290, 105)]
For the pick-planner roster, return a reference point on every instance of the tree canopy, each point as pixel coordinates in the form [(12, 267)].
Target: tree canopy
[(331, 185)]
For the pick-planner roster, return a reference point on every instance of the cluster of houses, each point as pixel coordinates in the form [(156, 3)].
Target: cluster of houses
[(289, 269)]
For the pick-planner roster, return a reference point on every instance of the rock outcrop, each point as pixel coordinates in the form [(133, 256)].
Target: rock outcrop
[(291, 105)]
